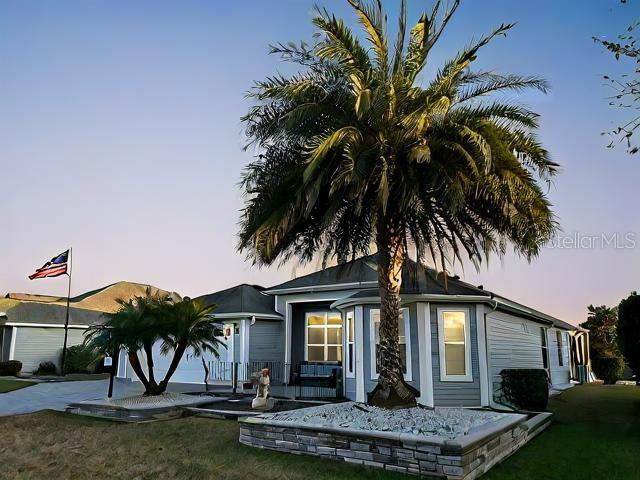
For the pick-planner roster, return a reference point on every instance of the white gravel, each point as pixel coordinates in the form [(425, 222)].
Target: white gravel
[(444, 422)]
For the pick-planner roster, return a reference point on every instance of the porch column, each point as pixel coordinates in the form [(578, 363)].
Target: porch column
[(358, 317), (482, 355), (424, 354)]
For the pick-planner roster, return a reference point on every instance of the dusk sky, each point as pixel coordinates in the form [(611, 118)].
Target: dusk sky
[(120, 136)]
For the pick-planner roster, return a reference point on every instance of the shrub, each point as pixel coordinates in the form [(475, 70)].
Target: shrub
[(46, 368), (629, 332), (608, 369), (10, 368), (526, 388), (80, 359)]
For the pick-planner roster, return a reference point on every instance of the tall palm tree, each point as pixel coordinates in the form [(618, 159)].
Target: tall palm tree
[(143, 321), (358, 152)]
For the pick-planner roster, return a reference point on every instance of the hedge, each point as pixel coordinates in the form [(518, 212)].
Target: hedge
[(10, 368), (526, 388), (608, 369)]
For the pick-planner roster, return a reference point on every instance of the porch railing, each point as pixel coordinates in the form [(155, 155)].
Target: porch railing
[(302, 380)]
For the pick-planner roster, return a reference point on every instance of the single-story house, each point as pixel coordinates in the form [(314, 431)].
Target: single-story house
[(455, 338), (32, 326)]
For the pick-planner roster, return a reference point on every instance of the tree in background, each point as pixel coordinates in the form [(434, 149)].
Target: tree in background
[(629, 332), (606, 359), (143, 321), (626, 89), (357, 151)]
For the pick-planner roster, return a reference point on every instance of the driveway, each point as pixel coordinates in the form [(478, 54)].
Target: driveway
[(57, 395)]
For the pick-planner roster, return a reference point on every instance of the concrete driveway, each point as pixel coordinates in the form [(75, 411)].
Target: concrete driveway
[(57, 395)]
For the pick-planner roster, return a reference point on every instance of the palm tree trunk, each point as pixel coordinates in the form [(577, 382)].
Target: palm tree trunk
[(175, 361), (148, 351), (392, 391), (137, 368)]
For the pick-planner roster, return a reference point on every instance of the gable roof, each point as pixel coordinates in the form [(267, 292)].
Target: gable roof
[(85, 309), (362, 273), (241, 299)]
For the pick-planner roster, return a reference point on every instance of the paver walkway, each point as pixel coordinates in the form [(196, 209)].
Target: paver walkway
[(57, 395)]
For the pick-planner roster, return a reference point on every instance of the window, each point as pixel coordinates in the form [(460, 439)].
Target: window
[(349, 359), (323, 334), (404, 341), (559, 342), (455, 345), (545, 348)]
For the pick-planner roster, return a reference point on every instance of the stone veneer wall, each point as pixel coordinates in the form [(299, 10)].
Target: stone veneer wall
[(463, 458)]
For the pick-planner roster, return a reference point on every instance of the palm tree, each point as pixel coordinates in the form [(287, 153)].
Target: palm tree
[(143, 321), (357, 153)]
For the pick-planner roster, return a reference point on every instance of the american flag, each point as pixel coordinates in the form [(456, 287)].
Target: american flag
[(53, 268)]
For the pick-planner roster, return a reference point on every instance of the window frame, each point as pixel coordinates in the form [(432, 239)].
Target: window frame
[(325, 327), (349, 324), (408, 376), (544, 345), (560, 347), (444, 377)]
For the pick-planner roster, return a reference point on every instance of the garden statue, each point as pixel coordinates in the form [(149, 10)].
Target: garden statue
[(262, 400)]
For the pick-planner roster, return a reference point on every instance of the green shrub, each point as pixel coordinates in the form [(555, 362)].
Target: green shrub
[(10, 368), (608, 369), (46, 368), (81, 359), (526, 388)]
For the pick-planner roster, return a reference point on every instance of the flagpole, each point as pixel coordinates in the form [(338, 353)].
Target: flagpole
[(66, 320)]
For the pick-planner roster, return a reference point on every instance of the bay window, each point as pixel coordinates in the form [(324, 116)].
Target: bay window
[(323, 337), (454, 345)]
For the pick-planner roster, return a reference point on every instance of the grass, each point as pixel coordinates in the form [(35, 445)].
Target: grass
[(11, 385), (596, 435)]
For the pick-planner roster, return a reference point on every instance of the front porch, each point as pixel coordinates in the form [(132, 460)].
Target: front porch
[(300, 381)]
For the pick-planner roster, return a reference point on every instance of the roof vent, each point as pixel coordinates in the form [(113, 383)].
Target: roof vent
[(481, 287)]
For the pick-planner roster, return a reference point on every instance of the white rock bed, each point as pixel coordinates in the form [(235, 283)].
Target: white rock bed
[(443, 422)]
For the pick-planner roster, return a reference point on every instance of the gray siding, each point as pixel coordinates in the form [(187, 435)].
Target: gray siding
[(266, 341), (559, 374), (513, 342), (40, 344), (455, 393)]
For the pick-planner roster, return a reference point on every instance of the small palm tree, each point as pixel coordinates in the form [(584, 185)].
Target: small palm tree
[(357, 152), (143, 321)]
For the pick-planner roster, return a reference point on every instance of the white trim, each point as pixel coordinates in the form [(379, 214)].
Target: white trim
[(288, 313), (482, 355), (322, 288), (424, 353), (359, 350), (52, 325), (468, 376), (372, 343), (12, 345), (411, 298), (245, 314), (348, 322), (244, 339), (326, 327)]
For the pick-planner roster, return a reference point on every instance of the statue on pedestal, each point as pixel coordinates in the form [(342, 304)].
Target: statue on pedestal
[(262, 400)]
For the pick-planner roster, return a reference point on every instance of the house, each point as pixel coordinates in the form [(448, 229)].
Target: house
[(455, 338), (32, 326)]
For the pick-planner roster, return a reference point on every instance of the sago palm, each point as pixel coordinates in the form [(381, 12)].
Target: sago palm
[(355, 152)]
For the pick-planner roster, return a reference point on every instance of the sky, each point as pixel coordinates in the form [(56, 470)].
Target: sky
[(120, 136)]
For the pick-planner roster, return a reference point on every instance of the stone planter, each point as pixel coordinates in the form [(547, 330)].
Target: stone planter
[(464, 457)]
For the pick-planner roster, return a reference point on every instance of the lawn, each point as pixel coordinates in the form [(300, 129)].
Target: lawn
[(11, 385), (596, 435)]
